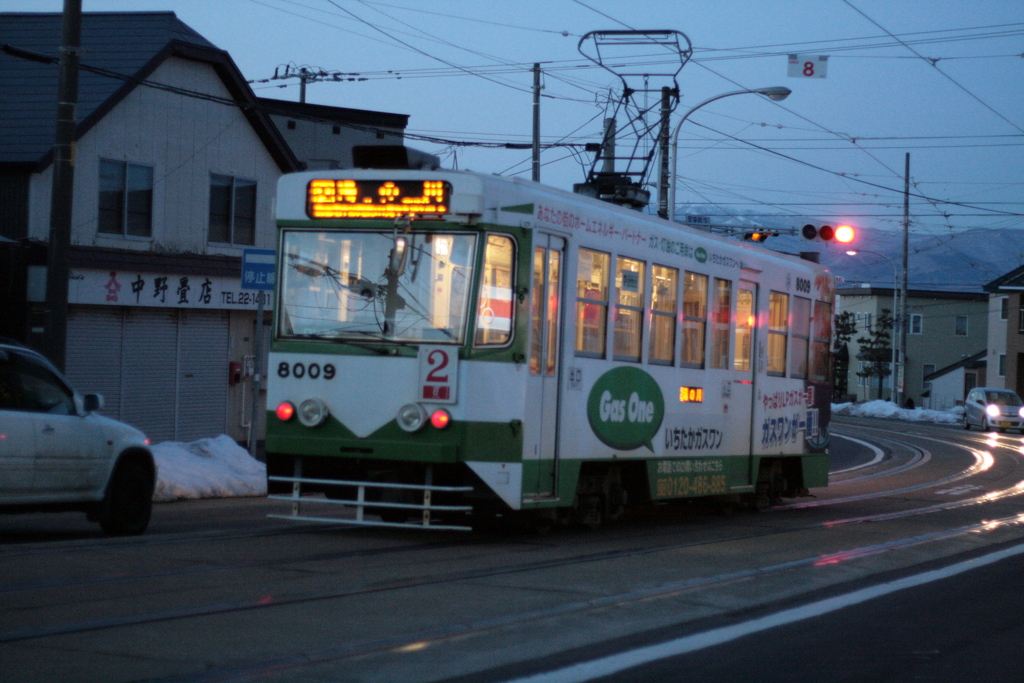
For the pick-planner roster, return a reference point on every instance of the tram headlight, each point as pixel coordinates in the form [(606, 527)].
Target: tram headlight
[(440, 418), (312, 412), (285, 411), (411, 417)]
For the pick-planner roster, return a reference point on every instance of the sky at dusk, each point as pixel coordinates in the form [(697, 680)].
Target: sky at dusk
[(943, 81)]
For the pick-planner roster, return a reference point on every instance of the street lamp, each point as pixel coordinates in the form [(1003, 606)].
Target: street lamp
[(775, 93), (897, 321)]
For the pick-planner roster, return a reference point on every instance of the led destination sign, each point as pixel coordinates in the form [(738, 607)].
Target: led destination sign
[(377, 198)]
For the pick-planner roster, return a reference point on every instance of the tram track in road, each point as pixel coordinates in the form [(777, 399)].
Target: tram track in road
[(264, 603), (276, 665)]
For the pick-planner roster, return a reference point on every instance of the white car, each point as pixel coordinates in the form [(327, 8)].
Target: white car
[(57, 453), (993, 408)]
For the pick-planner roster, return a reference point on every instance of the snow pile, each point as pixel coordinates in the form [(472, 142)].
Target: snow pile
[(889, 410), (208, 468)]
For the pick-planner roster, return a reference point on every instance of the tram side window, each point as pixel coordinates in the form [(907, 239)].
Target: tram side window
[(591, 303), (494, 310), (800, 333), (629, 309), (664, 286), (695, 319), (821, 341), (744, 328), (778, 327), (720, 316)]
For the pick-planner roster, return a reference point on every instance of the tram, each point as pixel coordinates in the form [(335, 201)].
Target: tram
[(451, 346)]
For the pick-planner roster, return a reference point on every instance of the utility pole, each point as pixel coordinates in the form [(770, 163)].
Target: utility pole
[(57, 257), (536, 122), (666, 111), (903, 285)]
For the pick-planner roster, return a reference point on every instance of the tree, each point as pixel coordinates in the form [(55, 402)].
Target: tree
[(845, 328), (876, 349)]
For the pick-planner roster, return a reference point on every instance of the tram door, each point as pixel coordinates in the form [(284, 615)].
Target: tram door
[(545, 331), (743, 389)]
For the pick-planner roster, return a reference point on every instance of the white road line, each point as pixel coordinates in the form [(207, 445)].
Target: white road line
[(879, 454), (606, 666)]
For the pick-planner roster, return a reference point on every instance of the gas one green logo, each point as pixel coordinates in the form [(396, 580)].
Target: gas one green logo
[(625, 408)]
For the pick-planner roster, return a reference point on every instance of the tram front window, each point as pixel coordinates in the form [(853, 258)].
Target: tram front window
[(340, 285)]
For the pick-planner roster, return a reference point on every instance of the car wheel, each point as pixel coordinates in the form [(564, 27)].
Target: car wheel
[(128, 502), (967, 424)]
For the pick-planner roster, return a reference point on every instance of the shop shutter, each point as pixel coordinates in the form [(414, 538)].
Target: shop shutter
[(93, 356), (148, 379), (202, 374)]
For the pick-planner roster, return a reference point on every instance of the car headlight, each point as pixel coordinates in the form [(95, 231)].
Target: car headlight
[(312, 412), (992, 409), (411, 417), (1020, 411)]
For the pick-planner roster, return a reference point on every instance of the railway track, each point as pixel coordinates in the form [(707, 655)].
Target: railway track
[(903, 483)]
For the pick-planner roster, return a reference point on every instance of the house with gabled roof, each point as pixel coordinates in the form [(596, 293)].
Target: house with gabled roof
[(1006, 330), (176, 166)]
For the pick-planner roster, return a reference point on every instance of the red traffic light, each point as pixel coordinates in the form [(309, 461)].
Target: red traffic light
[(826, 233)]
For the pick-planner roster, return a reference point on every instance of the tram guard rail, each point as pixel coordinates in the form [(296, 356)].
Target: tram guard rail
[(360, 503)]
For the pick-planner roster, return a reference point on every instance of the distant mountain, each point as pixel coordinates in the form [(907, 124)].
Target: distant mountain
[(960, 261)]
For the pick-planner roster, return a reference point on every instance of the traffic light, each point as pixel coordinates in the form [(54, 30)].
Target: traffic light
[(843, 234), (759, 236)]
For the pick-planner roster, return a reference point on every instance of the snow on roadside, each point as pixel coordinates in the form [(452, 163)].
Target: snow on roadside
[(888, 410), (207, 468)]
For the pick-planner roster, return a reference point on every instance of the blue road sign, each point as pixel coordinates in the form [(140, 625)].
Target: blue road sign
[(258, 269)]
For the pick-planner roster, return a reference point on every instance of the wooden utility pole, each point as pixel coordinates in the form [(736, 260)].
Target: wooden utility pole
[(900, 386), (57, 258), (536, 122), (663, 180)]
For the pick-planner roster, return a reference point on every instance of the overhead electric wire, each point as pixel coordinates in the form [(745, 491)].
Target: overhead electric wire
[(934, 64)]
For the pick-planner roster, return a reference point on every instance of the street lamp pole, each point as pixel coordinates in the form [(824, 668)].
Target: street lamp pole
[(897, 318), (774, 93)]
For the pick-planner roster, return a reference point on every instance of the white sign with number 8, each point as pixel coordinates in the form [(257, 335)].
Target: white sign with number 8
[(808, 66)]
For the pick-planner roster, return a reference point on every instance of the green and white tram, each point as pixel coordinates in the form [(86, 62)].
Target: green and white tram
[(450, 345)]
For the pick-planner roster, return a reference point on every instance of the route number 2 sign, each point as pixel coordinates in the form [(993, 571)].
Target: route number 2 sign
[(808, 66), (439, 374)]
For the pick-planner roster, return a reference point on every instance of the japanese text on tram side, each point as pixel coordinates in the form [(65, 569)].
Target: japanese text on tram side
[(692, 438), (574, 221), (786, 399), (671, 487), (689, 466)]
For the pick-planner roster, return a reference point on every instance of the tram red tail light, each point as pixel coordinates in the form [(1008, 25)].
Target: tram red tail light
[(440, 418), (285, 411)]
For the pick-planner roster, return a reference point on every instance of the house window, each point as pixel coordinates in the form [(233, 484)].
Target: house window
[(1020, 312), (916, 323), (960, 326), (867, 322), (126, 199), (232, 210), (1002, 365), (926, 369), (1004, 308)]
